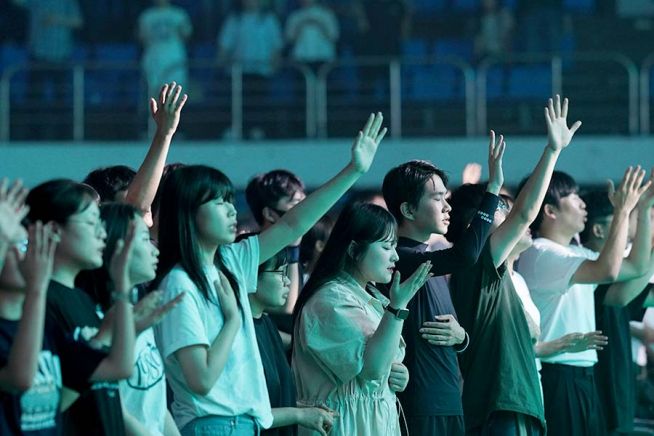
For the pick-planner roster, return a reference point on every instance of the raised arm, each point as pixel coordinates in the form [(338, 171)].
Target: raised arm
[(166, 113), (297, 221), (607, 266), (529, 200), (18, 373), (12, 212), (120, 361), (203, 365), (637, 263)]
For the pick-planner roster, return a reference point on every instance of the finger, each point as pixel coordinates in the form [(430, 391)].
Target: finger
[(176, 94), (3, 188), (376, 125), (381, 135), (13, 191), (637, 178), (171, 89), (564, 109), (163, 93), (366, 128), (21, 197), (626, 179), (500, 151), (497, 147), (645, 187), (153, 106), (557, 106), (31, 239), (53, 242), (611, 188), (575, 127), (548, 119), (117, 250), (396, 280), (22, 212), (181, 104), (550, 107), (491, 144)]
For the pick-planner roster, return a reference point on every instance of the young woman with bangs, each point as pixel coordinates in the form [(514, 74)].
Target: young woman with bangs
[(208, 341), (348, 348)]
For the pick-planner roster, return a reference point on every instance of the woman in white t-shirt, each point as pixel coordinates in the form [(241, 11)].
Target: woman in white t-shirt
[(208, 341)]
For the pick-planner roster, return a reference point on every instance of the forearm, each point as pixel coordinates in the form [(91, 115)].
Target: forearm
[(170, 428), (622, 293), (381, 348), (284, 416), (548, 349), (219, 352), (22, 362), (612, 254), (132, 426), (532, 194), (121, 353), (144, 187), (638, 260)]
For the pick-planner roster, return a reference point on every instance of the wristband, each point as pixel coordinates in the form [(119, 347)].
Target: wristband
[(488, 206), (460, 348), (293, 254), (130, 297)]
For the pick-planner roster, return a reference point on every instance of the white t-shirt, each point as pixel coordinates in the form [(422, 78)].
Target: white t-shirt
[(547, 268), (252, 39), (316, 30), (144, 393), (241, 387)]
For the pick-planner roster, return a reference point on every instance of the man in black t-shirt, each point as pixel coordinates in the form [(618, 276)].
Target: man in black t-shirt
[(415, 194)]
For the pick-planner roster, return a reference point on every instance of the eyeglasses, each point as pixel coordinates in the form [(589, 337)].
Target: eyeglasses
[(98, 226), (283, 272)]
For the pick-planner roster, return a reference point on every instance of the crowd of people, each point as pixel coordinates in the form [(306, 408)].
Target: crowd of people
[(133, 303)]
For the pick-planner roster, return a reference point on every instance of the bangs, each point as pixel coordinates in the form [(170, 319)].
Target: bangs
[(562, 185), (381, 226), (216, 185)]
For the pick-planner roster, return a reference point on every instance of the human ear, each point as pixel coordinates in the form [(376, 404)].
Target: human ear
[(407, 211), (269, 215), (550, 211)]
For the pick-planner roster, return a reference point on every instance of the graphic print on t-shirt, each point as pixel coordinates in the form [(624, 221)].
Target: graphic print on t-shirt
[(148, 369), (39, 404)]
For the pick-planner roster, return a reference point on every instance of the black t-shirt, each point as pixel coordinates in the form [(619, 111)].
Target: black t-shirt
[(616, 380), (435, 382), (499, 366), (98, 409), (62, 360), (279, 379)]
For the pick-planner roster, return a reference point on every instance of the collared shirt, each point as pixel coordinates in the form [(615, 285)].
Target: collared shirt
[(548, 268), (333, 331)]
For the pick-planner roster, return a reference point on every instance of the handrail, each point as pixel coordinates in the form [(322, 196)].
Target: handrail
[(645, 105), (557, 80)]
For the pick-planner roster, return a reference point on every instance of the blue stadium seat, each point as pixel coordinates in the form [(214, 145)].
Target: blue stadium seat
[(12, 54), (465, 5), (432, 83), (114, 86), (580, 6), (429, 7), (414, 47), (345, 78), (530, 81), (462, 48)]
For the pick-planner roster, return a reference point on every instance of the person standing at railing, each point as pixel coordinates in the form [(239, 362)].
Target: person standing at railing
[(50, 44), (312, 31), (252, 38), (163, 30)]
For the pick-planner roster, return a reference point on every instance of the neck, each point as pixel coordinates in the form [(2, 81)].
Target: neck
[(256, 307), (357, 276), (594, 244), (556, 235), (410, 232), (510, 261), (65, 273), (11, 305), (208, 253)]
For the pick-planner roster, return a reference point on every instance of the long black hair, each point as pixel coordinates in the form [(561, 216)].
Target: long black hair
[(184, 191), (57, 200), (362, 223), (97, 283)]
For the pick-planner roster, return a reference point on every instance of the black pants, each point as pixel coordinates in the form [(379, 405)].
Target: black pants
[(434, 426), (502, 423), (572, 405)]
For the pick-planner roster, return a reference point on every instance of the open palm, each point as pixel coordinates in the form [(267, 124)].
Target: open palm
[(559, 134), (366, 143)]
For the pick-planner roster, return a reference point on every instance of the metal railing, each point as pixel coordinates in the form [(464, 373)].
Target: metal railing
[(318, 90)]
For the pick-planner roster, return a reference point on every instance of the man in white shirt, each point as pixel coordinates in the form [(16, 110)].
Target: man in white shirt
[(562, 279)]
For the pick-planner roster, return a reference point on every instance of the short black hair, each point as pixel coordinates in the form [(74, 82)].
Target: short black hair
[(598, 207), (561, 185), (57, 200), (406, 183), (265, 190), (108, 181)]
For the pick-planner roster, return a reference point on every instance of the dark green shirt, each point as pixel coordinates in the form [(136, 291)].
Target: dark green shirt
[(499, 366)]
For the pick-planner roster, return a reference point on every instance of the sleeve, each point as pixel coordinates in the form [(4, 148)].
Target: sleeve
[(242, 259), (183, 326), (336, 333), (467, 249), (549, 270), (78, 360)]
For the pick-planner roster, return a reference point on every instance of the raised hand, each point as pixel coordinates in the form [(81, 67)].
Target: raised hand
[(559, 134), (399, 377), (226, 298), (471, 173), (366, 143), (445, 331), (39, 259), (401, 294), (166, 112), (626, 196), (578, 342), (317, 419), (12, 209), (151, 309), (495, 155), (647, 199), (120, 260)]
